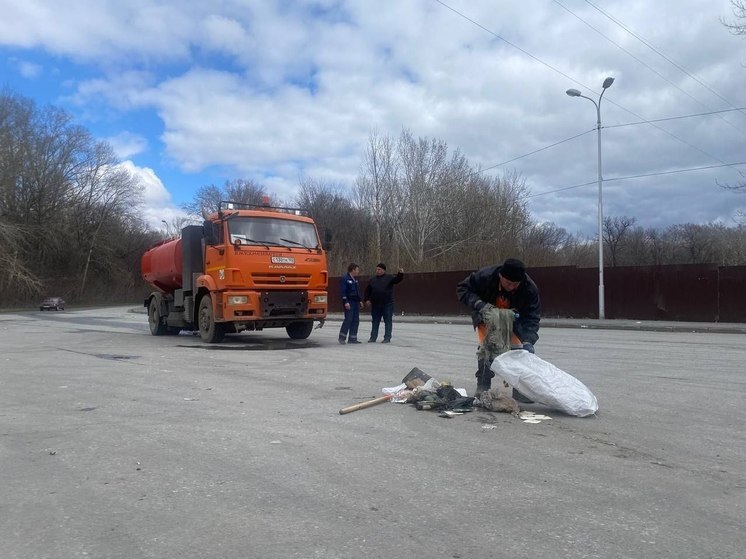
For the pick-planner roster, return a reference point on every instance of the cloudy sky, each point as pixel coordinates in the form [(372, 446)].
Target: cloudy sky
[(193, 92)]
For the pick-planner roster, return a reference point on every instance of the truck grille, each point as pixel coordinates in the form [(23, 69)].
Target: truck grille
[(275, 280)]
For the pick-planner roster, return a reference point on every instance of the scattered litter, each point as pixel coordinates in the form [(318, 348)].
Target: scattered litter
[(488, 427), (399, 394), (493, 400), (416, 378), (191, 399), (402, 397), (531, 417), (275, 442), (428, 405), (425, 392), (394, 389)]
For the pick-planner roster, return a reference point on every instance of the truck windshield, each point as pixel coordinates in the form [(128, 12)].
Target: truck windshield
[(272, 231)]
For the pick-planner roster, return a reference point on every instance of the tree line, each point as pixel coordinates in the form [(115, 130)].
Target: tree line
[(69, 212), (70, 220), (418, 206)]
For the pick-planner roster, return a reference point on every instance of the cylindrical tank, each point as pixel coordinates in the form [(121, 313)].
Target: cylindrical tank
[(161, 266)]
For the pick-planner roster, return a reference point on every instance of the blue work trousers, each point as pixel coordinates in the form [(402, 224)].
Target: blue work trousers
[(351, 322), (377, 312)]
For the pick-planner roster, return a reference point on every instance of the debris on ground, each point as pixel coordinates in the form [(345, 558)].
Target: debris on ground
[(415, 378), (531, 417), (494, 400), (426, 393)]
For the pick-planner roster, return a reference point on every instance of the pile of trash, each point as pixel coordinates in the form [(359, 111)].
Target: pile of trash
[(541, 381), (426, 393), (514, 369)]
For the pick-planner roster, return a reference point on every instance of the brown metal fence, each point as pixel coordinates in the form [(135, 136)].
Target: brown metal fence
[(696, 293)]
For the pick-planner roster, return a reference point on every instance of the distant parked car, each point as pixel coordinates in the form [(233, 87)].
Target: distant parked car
[(52, 303)]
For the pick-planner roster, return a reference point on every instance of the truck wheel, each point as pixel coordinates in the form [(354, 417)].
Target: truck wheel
[(299, 330), (157, 328), (210, 331)]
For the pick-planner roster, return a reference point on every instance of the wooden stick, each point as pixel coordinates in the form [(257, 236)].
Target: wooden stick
[(363, 405)]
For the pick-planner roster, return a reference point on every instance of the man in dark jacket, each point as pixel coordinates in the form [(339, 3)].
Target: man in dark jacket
[(351, 302), (379, 296), (505, 287)]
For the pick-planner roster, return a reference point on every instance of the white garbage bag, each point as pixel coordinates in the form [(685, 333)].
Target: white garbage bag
[(544, 383)]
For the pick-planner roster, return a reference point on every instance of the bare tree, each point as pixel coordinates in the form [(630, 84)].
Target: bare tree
[(16, 116), (376, 186), (616, 231), (106, 190), (737, 26), (431, 210), (446, 207), (423, 164), (208, 197), (57, 186), (334, 213), (543, 243), (734, 245), (174, 227), (15, 277)]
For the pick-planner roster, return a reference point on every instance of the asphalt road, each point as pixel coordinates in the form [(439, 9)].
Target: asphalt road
[(117, 444)]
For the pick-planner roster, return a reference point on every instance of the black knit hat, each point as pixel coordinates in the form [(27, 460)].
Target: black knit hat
[(381, 265), (513, 270)]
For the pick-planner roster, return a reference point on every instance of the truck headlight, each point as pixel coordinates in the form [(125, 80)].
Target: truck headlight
[(238, 300), (319, 298)]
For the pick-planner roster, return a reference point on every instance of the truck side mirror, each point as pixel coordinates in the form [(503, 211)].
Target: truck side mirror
[(209, 233), (327, 240)]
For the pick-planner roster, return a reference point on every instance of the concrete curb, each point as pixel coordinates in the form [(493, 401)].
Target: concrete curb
[(642, 325)]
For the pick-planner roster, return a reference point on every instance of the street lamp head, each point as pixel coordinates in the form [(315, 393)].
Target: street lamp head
[(574, 92), (607, 83)]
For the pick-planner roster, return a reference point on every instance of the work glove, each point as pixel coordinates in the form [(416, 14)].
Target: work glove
[(529, 347)]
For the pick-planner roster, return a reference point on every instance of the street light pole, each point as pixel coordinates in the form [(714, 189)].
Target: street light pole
[(601, 297)]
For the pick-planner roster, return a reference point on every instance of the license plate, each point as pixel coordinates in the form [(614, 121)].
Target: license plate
[(283, 260)]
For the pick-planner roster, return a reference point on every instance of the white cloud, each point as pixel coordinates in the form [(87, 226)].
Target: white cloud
[(271, 91), (127, 144), (157, 204), (30, 70)]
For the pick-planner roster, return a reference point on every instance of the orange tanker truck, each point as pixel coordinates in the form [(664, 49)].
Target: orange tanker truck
[(246, 267)]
